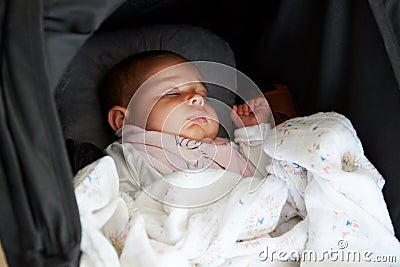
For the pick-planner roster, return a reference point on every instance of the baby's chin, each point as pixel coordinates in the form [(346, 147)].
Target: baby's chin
[(195, 132)]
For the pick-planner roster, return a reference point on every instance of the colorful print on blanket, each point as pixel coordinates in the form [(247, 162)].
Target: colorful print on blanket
[(322, 196)]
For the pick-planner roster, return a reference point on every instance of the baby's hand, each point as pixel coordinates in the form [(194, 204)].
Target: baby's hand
[(255, 111)]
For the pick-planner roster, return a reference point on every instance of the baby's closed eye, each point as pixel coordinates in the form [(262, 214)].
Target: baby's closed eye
[(172, 93)]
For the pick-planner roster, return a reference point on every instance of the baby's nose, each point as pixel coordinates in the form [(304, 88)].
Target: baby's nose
[(197, 99)]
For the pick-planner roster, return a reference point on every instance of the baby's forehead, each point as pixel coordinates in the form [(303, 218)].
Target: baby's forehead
[(155, 64), (167, 68), (160, 78)]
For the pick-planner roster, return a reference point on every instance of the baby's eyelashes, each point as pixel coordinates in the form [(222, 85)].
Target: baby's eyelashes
[(204, 95), (179, 91), (172, 93)]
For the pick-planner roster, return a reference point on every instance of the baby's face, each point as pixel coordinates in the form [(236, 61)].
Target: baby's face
[(175, 100)]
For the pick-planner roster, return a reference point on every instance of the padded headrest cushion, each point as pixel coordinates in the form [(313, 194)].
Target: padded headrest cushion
[(77, 94)]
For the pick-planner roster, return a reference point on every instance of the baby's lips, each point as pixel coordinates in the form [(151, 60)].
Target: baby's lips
[(198, 114), (199, 119)]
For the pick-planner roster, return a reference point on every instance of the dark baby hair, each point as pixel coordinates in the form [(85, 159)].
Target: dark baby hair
[(119, 83)]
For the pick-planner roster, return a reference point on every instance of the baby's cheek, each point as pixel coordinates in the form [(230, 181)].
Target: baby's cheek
[(213, 114), (154, 122)]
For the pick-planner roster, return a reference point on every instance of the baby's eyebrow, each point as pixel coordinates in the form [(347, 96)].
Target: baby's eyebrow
[(166, 82), (173, 81)]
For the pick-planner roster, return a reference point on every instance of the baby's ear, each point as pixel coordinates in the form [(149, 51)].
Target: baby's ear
[(116, 116)]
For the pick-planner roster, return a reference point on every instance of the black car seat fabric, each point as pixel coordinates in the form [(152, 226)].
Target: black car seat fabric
[(77, 94)]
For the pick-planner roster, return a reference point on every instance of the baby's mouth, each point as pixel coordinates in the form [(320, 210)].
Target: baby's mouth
[(198, 117)]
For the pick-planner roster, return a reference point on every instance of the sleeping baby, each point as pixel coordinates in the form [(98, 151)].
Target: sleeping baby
[(170, 118), (182, 200)]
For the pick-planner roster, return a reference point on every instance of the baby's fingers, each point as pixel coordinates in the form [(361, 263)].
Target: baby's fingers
[(235, 108), (243, 109), (246, 109), (236, 117), (240, 110)]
